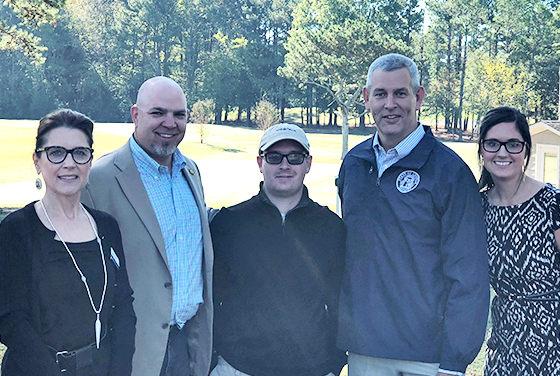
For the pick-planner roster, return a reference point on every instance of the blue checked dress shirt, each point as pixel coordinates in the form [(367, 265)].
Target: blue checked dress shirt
[(179, 221), (386, 159)]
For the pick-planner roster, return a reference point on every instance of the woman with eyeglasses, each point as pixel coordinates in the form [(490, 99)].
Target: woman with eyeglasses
[(65, 300), (523, 232)]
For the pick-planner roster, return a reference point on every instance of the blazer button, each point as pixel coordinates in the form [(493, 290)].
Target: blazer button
[(167, 285), (165, 326)]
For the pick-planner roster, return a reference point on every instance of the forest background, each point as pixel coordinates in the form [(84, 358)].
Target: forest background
[(92, 55)]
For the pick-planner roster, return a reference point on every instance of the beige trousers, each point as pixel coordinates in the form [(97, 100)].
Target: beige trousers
[(225, 369), (359, 365)]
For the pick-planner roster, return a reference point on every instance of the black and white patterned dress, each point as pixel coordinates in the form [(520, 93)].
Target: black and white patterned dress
[(523, 261)]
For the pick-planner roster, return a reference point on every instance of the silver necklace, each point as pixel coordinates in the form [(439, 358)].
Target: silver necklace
[(83, 277)]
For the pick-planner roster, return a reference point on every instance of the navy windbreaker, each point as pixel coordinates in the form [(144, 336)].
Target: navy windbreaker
[(416, 283)]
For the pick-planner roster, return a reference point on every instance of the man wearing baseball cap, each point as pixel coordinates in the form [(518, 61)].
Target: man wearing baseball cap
[(279, 259)]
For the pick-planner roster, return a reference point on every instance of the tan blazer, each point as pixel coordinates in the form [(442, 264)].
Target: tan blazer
[(115, 187)]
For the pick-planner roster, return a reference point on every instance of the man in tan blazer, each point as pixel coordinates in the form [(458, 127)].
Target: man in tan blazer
[(156, 195)]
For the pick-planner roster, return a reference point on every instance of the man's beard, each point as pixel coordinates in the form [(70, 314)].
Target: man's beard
[(164, 150)]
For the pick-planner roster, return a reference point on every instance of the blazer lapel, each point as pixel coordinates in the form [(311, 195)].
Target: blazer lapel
[(133, 188), (188, 173)]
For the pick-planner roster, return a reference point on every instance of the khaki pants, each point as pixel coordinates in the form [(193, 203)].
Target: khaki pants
[(225, 369), (359, 365)]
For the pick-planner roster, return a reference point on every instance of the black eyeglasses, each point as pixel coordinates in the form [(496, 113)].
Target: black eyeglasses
[(57, 154), (276, 158), (512, 146)]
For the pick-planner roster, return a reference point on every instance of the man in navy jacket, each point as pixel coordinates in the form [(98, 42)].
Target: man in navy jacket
[(415, 293)]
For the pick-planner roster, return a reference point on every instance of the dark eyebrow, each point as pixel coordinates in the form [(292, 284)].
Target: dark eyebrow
[(404, 88), (511, 139), (165, 110)]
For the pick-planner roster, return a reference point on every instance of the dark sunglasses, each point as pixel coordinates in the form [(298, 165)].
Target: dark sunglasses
[(276, 158), (512, 146), (57, 154)]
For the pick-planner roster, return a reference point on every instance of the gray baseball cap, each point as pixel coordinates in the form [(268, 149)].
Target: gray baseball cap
[(283, 131)]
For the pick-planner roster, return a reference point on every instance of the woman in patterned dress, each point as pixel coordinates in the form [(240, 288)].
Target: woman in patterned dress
[(522, 221)]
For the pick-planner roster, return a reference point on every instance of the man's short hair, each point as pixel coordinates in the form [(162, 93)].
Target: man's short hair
[(392, 62)]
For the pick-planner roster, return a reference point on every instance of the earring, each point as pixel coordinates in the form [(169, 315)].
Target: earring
[(38, 183)]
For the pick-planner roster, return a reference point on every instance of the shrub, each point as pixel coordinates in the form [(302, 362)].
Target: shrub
[(267, 114), (202, 114)]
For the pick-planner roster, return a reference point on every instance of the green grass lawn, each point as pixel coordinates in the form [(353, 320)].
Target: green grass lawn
[(223, 144)]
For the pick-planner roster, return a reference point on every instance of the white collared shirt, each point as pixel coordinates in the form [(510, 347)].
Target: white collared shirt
[(386, 159)]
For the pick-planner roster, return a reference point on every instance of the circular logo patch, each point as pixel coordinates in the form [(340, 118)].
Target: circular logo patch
[(407, 181)]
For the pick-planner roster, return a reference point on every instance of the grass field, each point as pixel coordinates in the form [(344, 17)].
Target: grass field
[(226, 160)]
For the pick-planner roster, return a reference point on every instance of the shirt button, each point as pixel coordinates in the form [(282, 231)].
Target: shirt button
[(167, 285), (165, 326)]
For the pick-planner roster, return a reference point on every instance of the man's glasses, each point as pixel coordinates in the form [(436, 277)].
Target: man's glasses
[(512, 146), (276, 158), (57, 154)]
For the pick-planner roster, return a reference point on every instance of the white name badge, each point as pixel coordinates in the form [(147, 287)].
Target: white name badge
[(115, 259)]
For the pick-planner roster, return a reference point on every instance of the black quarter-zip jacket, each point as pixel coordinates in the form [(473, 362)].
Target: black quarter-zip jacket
[(276, 287)]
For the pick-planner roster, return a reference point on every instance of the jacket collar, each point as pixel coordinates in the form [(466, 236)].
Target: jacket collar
[(133, 188), (415, 160), (303, 201)]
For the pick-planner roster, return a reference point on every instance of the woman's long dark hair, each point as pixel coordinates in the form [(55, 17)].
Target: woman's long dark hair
[(496, 116)]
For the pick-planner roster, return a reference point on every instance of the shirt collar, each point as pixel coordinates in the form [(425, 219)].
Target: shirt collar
[(405, 146), (150, 164)]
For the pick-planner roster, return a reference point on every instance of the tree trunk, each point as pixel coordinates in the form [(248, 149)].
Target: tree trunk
[(282, 100), (344, 111), (249, 116), (217, 116), (448, 112), (462, 86), (309, 105)]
